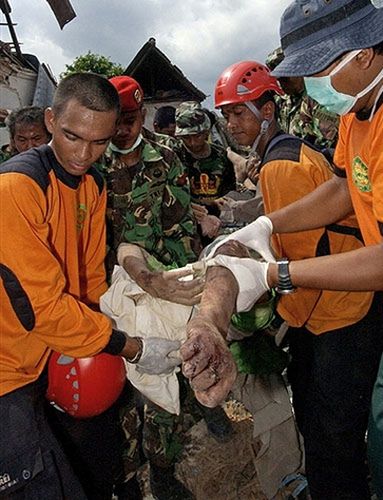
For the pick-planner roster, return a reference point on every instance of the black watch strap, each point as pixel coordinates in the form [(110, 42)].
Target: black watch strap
[(284, 286)]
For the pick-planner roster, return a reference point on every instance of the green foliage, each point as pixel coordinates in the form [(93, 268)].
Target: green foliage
[(94, 63), (259, 355)]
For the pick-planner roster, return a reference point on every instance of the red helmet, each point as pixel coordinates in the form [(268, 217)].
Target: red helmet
[(85, 387), (244, 81)]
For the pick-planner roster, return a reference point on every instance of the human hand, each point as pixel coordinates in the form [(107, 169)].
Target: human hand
[(253, 164), (210, 226), (239, 164), (199, 211), (155, 358), (169, 285), (3, 115), (251, 276), (255, 235), (207, 362)]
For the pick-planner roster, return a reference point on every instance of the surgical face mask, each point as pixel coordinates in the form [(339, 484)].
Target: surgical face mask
[(116, 149), (321, 90)]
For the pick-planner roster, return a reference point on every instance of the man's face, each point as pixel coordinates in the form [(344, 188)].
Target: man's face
[(242, 123), (29, 135), (169, 130), (196, 143), (129, 127), (80, 135), (356, 73)]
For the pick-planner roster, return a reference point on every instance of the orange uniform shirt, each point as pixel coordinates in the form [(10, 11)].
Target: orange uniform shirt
[(52, 228), (360, 153), (291, 171)]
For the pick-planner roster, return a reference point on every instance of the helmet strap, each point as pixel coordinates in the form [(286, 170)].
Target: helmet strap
[(253, 108), (264, 124)]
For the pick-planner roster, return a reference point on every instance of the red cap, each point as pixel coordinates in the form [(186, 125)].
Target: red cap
[(130, 92)]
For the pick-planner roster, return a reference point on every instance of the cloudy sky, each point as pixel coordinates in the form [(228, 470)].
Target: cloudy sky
[(202, 37)]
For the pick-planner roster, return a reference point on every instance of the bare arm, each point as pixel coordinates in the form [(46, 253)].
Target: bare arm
[(329, 203), (358, 270), (162, 284), (207, 360)]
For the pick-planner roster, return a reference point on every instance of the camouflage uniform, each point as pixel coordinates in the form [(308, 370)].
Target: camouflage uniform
[(211, 177), (4, 155), (303, 117), (149, 205)]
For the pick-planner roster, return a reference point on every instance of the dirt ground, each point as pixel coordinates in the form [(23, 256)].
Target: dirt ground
[(218, 471)]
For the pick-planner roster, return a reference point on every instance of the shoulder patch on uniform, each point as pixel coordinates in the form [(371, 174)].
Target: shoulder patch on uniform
[(17, 296), (98, 178), (35, 163)]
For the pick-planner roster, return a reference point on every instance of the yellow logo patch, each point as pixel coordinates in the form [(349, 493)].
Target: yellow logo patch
[(360, 175), (81, 215)]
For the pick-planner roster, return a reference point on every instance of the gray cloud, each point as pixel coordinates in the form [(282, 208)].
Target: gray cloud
[(201, 37)]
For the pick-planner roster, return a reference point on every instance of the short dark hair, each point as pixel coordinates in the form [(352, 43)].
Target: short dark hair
[(26, 116), (164, 116), (90, 90), (265, 97)]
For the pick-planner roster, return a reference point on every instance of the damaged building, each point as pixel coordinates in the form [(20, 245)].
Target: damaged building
[(163, 83)]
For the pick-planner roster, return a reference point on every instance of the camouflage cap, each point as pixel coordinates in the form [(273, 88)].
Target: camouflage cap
[(191, 119), (274, 58)]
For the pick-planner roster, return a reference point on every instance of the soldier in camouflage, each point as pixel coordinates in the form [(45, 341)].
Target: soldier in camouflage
[(299, 114), (210, 172), (148, 197), (149, 206)]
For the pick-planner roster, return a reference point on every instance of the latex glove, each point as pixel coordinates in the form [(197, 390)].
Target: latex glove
[(251, 276), (207, 362), (155, 358), (210, 226), (255, 235)]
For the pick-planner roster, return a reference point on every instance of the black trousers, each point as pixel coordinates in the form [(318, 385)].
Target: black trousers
[(94, 447), (33, 465), (332, 376)]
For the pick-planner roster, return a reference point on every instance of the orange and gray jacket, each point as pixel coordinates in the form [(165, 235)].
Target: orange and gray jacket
[(290, 170), (51, 263)]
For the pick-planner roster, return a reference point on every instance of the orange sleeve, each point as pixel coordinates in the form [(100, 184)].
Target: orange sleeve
[(376, 174), (56, 319), (339, 154)]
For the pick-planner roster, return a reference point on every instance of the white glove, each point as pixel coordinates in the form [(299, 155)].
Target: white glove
[(255, 235), (155, 359), (251, 277)]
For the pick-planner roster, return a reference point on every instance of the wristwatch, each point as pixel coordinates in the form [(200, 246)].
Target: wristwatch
[(284, 286)]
